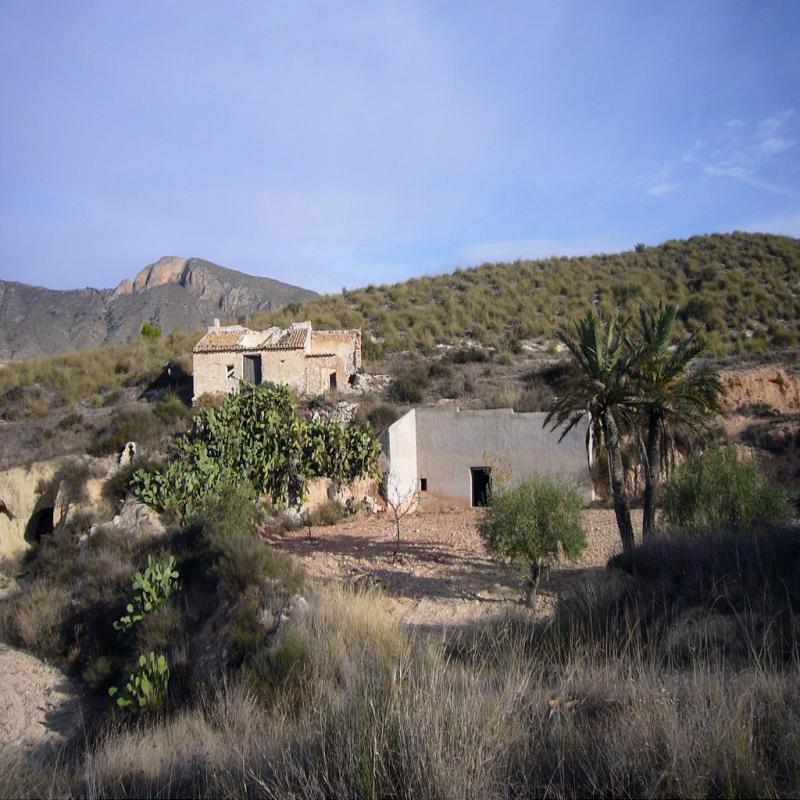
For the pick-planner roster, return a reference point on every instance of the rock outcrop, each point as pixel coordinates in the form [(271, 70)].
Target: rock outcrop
[(774, 386)]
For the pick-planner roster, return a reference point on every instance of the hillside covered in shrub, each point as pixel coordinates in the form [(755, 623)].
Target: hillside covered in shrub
[(744, 288)]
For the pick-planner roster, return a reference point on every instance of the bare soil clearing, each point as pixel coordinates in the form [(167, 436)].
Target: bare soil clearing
[(442, 575), (39, 706)]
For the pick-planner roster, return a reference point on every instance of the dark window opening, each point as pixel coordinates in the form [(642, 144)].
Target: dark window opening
[(481, 485), (423, 484), (333, 381), (252, 369), (40, 524), (229, 369), (352, 379)]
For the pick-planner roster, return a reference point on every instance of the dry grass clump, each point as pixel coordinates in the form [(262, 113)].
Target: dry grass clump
[(36, 621)]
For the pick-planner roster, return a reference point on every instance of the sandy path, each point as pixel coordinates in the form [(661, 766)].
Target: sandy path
[(39, 706), (442, 575)]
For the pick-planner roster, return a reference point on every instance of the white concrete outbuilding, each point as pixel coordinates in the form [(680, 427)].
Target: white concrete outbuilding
[(448, 457)]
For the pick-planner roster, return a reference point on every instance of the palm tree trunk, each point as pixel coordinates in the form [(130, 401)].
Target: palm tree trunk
[(652, 474), (616, 475)]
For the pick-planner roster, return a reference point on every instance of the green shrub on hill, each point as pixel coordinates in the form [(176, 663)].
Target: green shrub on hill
[(717, 491)]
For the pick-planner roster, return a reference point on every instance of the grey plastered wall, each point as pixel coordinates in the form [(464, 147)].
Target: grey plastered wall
[(399, 443), (450, 441)]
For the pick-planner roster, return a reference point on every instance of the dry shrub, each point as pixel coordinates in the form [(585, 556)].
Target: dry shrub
[(35, 619), (338, 637), (130, 423), (382, 416), (330, 512), (340, 701)]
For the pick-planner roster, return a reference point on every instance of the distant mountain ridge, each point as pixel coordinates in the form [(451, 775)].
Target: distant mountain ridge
[(170, 293)]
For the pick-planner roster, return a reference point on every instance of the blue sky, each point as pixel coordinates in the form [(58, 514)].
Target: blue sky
[(338, 144)]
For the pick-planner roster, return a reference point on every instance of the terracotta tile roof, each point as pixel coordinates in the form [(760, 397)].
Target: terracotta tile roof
[(219, 340), (293, 339), (226, 340)]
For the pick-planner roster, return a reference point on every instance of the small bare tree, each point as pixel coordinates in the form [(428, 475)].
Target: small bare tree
[(400, 500)]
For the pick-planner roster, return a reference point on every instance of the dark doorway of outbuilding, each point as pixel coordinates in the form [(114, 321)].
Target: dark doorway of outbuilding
[(333, 381), (481, 478), (40, 524), (252, 369)]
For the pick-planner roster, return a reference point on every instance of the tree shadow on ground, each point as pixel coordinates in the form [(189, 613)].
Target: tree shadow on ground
[(432, 569)]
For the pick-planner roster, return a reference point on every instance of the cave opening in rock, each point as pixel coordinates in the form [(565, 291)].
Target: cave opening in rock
[(40, 524)]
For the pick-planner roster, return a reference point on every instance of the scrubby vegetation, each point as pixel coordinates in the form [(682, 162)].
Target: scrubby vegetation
[(29, 389), (740, 286), (674, 671)]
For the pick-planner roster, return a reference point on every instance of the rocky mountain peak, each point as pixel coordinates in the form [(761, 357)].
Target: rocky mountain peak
[(168, 269)]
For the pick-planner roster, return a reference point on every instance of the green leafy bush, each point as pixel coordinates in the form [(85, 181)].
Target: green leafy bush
[(410, 385), (532, 522), (256, 439), (716, 490), (146, 690), (240, 558), (149, 589), (149, 331), (382, 416)]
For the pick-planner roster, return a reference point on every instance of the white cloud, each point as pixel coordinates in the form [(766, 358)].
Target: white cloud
[(746, 176), (773, 123), (663, 188), (773, 145), (749, 153)]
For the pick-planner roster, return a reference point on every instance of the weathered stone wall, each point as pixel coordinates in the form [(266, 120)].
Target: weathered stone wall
[(306, 370), (285, 366), (344, 344), (210, 372), (318, 372)]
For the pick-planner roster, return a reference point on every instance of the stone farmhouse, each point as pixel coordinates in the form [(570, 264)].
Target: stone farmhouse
[(311, 362), (448, 457)]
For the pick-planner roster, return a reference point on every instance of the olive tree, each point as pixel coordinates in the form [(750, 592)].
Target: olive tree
[(532, 524)]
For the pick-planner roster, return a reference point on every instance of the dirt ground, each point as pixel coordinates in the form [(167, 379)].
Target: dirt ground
[(39, 707), (442, 576)]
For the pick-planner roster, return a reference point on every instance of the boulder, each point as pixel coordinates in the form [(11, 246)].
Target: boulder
[(138, 518)]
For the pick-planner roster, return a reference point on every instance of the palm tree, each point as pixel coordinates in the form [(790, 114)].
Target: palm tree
[(670, 395), (603, 389)]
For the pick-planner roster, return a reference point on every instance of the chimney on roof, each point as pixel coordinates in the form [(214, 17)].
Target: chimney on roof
[(216, 322)]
